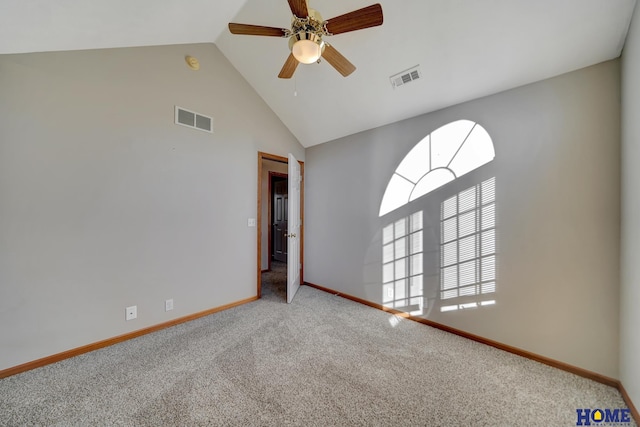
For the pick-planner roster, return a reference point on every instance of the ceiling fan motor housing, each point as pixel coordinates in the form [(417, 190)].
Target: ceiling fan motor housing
[(306, 37)]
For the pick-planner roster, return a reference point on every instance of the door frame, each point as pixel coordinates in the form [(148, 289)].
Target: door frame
[(272, 175), (266, 156)]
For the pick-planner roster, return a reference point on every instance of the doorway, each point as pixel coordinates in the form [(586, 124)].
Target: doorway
[(271, 169), (278, 217)]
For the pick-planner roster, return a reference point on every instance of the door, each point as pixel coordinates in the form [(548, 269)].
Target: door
[(293, 254), (280, 219)]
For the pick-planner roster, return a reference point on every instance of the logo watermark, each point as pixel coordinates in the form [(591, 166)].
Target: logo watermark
[(603, 417)]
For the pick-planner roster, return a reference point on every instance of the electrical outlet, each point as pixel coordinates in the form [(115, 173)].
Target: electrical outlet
[(168, 305), (131, 312)]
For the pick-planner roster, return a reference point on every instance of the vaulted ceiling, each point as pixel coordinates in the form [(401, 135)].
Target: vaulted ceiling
[(465, 49)]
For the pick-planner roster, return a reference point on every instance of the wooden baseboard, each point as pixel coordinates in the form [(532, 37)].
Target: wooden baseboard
[(612, 382), (634, 412), (115, 340)]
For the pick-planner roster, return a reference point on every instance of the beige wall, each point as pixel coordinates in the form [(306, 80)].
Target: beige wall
[(106, 203), (630, 283), (558, 208)]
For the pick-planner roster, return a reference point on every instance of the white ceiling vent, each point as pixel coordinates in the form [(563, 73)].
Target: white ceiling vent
[(193, 120), (406, 76)]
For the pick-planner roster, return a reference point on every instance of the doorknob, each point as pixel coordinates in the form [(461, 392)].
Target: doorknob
[(290, 235)]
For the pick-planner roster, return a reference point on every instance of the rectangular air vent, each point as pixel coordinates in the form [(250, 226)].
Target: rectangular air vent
[(193, 120), (406, 76)]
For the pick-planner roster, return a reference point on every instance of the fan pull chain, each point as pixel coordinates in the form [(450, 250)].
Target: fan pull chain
[(295, 86)]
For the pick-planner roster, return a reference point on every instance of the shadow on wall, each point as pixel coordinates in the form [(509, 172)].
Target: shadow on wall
[(430, 258)]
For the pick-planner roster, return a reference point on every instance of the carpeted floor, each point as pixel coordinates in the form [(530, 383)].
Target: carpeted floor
[(320, 361), (274, 282)]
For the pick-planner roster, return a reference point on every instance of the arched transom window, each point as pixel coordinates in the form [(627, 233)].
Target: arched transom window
[(442, 156)]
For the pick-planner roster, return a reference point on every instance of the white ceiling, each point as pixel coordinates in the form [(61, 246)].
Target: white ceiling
[(465, 48)]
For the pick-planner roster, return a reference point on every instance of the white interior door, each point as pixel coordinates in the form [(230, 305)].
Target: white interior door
[(293, 256)]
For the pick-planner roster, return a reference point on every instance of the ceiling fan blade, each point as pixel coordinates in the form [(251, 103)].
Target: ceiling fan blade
[(370, 16), (255, 30), (337, 61), (299, 8), (289, 67)]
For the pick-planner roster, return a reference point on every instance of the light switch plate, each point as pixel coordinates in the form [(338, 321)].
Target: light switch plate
[(251, 222)]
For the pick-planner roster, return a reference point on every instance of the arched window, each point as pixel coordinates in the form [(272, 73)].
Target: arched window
[(442, 156)]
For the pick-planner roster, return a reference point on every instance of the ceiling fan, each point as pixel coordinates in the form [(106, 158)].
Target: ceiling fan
[(307, 31)]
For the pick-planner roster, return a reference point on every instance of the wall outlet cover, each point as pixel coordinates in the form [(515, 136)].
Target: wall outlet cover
[(131, 312)]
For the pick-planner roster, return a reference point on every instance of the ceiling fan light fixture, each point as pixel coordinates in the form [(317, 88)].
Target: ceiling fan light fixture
[(306, 33), (306, 47)]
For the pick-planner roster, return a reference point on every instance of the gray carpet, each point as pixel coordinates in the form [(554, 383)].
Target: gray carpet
[(320, 361)]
